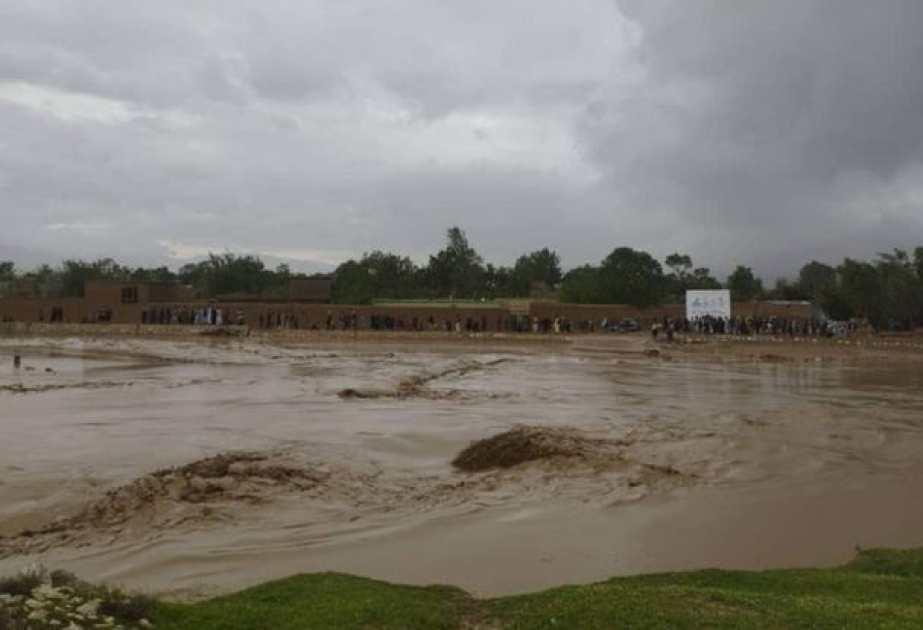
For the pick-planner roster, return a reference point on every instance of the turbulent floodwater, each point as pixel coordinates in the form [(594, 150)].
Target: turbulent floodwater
[(743, 464)]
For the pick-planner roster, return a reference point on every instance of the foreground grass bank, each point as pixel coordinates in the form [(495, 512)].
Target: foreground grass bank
[(879, 589)]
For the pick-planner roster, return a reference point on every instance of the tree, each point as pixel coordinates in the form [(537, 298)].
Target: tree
[(352, 284), (156, 274), (744, 285), (456, 271), (902, 289), (540, 266), (7, 274), (861, 289), (376, 275), (223, 274), (581, 286), (497, 281), (816, 280), (47, 281), (702, 279), (75, 274), (679, 264), (785, 290), (628, 276), (679, 280)]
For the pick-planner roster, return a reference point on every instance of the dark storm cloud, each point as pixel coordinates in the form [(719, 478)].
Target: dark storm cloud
[(738, 132), (757, 118)]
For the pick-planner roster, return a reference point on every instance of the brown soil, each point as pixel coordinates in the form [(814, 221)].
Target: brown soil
[(418, 386), (19, 388), (526, 444), (775, 358), (242, 477), (224, 476), (222, 332)]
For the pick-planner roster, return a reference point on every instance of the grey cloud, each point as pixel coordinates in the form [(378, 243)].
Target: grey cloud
[(824, 86), (750, 115), (737, 131)]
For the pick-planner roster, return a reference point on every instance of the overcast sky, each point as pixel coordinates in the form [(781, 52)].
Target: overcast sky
[(739, 132)]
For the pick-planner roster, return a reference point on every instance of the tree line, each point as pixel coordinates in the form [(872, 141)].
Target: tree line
[(887, 291)]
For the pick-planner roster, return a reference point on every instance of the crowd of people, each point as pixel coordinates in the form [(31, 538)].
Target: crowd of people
[(792, 327), (210, 315), (288, 319)]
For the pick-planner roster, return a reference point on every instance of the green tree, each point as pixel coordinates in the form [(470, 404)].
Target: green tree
[(156, 274), (47, 280), (75, 274), (7, 274), (902, 290), (702, 279), (679, 280), (352, 284), (816, 280), (541, 266), (376, 275), (679, 264), (785, 290), (228, 273), (744, 285), (628, 276), (581, 286), (458, 270), (860, 285), (497, 281)]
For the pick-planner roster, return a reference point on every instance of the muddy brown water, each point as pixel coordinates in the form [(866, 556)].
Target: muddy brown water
[(740, 465)]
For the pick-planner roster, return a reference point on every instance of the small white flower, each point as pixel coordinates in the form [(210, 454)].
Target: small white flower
[(33, 569), (89, 609), (37, 615), (46, 591)]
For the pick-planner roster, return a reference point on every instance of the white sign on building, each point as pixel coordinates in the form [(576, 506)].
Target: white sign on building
[(708, 303)]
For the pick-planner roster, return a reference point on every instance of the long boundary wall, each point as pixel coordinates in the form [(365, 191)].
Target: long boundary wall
[(464, 316)]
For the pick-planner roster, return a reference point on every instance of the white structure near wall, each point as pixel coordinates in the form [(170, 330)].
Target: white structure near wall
[(715, 303)]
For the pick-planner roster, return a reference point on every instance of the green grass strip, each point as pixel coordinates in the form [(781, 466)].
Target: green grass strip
[(879, 589)]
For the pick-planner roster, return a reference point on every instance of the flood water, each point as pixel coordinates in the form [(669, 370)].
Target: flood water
[(768, 464)]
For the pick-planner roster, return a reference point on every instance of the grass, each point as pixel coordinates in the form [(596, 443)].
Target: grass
[(324, 600), (879, 589)]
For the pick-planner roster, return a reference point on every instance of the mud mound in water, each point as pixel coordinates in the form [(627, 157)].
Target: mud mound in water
[(229, 476), (526, 444), (221, 332), (169, 496), (774, 358), (418, 386), (19, 388)]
